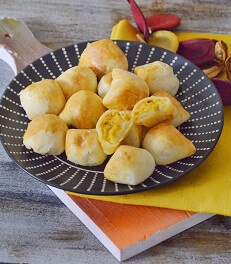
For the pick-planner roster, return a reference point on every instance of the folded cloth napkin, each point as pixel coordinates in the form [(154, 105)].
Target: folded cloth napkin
[(207, 189)]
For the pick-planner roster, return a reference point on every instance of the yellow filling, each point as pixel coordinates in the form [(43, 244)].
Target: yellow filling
[(147, 106), (111, 127)]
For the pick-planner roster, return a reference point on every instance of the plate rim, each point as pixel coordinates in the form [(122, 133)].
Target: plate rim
[(123, 192)]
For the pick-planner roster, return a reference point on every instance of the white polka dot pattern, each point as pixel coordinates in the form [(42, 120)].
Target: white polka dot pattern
[(81, 180), (18, 84), (13, 102), (193, 85), (92, 183), (163, 56), (104, 184), (127, 48), (66, 57), (34, 69), (197, 94), (28, 78), (69, 179), (56, 62), (137, 57), (77, 51), (47, 68), (150, 55), (173, 61)]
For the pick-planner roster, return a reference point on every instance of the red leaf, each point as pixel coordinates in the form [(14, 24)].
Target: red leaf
[(224, 89), (198, 51), (163, 21), (139, 19)]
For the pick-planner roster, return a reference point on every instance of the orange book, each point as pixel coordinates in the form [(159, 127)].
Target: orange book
[(126, 230)]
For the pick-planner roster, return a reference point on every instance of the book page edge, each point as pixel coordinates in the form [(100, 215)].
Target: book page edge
[(138, 247)]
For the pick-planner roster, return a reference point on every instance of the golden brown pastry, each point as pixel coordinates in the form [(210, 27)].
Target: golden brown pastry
[(83, 109), (77, 78), (159, 76), (104, 84), (134, 137), (181, 115), (43, 97), (46, 134), (83, 147), (167, 144), (129, 165), (112, 128), (153, 110), (103, 56), (125, 91)]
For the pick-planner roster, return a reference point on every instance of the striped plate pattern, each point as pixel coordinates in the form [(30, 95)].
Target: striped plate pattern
[(197, 94)]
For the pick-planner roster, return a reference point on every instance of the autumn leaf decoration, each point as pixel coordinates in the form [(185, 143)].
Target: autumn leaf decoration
[(221, 62), (212, 57), (153, 23)]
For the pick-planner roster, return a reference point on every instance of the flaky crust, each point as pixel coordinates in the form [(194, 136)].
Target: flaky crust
[(83, 148), (75, 79), (159, 76), (45, 134), (83, 109), (181, 115), (167, 144), (129, 165), (103, 56), (125, 91), (43, 97)]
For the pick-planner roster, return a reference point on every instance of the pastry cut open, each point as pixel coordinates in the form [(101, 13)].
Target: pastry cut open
[(113, 127), (153, 110)]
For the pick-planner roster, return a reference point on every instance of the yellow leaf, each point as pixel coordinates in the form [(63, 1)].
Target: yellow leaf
[(165, 39), (124, 31)]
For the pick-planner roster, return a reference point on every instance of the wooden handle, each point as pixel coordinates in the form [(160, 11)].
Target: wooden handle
[(19, 41)]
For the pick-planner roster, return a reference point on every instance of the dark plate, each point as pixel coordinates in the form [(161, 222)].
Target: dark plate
[(197, 94)]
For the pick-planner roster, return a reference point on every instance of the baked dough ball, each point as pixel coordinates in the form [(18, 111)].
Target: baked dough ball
[(46, 134), (129, 165), (112, 128), (83, 109), (77, 78), (104, 84), (103, 56), (134, 137), (159, 76), (83, 147), (167, 144), (153, 110), (181, 115), (43, 97), (125, 91)]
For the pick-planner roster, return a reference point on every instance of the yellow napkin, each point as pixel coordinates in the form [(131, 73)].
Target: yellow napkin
[(208, 188)]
